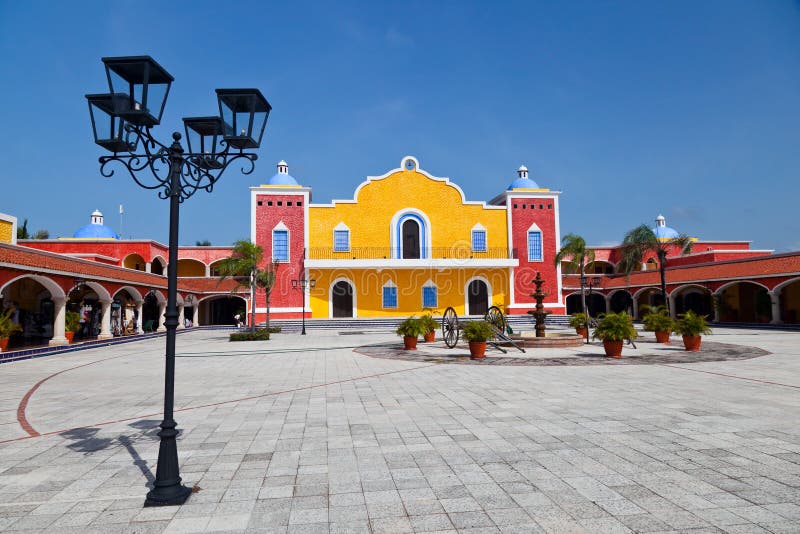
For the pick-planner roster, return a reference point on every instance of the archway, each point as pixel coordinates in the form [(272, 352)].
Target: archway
[(573, 302), (650, 296), (85, 300), (600, 267), (745, 302), (596, 304), (694, 298), (151, 311), (789, 298), (621, 301), (220, 310), (31, 296), (477, 297), (342, 299), (191, 267), (134, 261), (158, 266), (214, 268), (410, 236), (125, 311)]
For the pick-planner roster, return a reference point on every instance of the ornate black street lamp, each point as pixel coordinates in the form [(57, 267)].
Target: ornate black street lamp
[(121, 121), (303, 284), (590, 282)]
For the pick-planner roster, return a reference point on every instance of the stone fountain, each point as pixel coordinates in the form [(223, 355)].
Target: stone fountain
[(543, 339), (539, 314)]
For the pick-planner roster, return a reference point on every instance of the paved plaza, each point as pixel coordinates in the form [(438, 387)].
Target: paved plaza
[(332, 433)]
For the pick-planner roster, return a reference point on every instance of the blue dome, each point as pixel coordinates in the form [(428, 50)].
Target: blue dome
[(663, 231), (282, 177), (523, 183), (95, 231)]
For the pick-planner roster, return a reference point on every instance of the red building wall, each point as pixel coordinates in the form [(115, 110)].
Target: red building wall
[(526, 211), (270, 210)]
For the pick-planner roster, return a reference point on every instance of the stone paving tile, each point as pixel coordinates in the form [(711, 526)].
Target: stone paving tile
[(427, 448)]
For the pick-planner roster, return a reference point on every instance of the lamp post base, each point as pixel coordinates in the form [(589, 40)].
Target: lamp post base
[(172, 496)]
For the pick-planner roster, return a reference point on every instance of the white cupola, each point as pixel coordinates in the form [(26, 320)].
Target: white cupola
[(283, 167), (97, 217), (522, 172)]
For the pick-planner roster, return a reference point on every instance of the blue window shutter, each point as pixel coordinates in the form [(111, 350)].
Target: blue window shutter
[(429, 297), (534, 246), (479, 241), (389, 297), (280, 245), (341, 240)]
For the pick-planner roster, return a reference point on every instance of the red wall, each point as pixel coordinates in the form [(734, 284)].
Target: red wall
[(267, 217), (521, 220)]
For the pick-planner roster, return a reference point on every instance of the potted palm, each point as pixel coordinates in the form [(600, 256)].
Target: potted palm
[(658, 320), (7, 329), (430, 325), (410, 329), (72, 324), (578, 322), (691, 326), (613, 329), (477, 333)]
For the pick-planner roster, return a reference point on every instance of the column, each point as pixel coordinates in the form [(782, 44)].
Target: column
[(607, 298), (181, 319), (716, 299), (672, 311), (162, 309), (139, 322), (208, 271), (635, 302), (775, 297), (195, 314), (59, 324), (105, 321), (148, 267)]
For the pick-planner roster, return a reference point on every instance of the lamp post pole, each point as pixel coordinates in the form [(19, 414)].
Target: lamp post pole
[(122, 124), (591, 283), (303, 284)]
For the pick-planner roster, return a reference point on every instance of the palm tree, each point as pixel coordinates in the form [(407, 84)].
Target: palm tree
[(245, 261), (573, 247), (642, 240)]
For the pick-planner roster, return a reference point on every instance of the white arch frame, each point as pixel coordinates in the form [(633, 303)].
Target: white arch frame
[(197, 301), (163, 263), (778, 289), (132, 292), (427, 231), (49, 284), (732, 283), (102, 293), (330, 295), (642, 290), (144, 262), (681, 288), (489, 292)]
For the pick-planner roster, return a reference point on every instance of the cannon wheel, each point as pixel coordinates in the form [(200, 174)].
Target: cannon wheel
[(450, 329), (495, 318)]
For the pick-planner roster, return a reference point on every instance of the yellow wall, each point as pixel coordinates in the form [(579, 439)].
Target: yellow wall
[(187, 267), (368, 284), (6, 229), (369, 219)]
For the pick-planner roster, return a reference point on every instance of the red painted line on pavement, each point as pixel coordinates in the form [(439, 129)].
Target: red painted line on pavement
[(731, 376), (23, 404), (33, 433)]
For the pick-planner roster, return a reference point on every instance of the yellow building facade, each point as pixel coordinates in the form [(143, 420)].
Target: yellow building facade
[(8, 229)]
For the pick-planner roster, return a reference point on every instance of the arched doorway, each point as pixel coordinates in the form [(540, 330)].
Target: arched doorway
[(596, 304), (477, 298), (342, 299), (151, 312), (125, 311), (410, 231), (573, 302), (621, 301), (31, 298), (789, 298), (694, 298), (84, 299), (745, 302), (651, 297), (220, 310)]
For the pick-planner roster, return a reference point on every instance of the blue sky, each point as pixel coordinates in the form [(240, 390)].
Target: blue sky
[(686, 108)]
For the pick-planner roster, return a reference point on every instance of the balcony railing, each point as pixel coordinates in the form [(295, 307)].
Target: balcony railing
[(386, 253)]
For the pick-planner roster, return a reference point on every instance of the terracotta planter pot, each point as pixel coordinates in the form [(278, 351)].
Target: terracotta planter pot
[(613, 349), (3, 344), (692, 343), (69, 336), (582, 332), (477, 349), (410, 342), (662, 336), (430, 337)]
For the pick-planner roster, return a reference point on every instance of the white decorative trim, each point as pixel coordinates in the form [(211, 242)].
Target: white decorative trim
[(557, 217), (132, 292), (294, 309), (426, 263), (371, 179), (330, 295), (51, 286), (489, 292), (426, 230)]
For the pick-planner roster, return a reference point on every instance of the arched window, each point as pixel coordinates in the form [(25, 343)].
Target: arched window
[(535, 244), (280, 243)]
